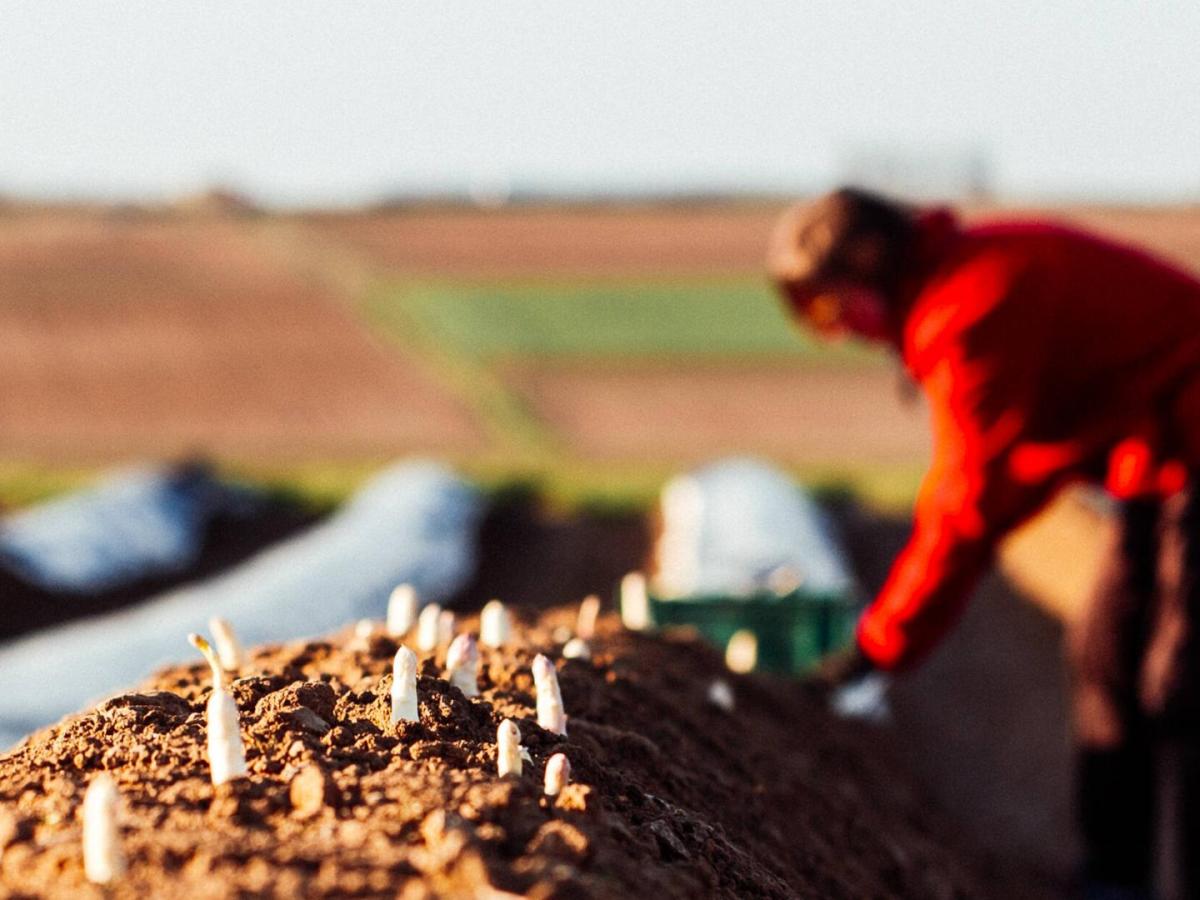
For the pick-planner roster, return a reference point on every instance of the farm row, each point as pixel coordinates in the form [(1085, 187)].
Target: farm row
[(329, 795)]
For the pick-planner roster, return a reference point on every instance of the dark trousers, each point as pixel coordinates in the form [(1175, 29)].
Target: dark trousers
[(1137, 696)]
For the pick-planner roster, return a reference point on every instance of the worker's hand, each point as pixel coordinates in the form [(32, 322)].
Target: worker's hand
[(848, 682)]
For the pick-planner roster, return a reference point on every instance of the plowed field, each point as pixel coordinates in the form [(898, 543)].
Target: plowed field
[(547, 240), (800, 414), (154, 338)]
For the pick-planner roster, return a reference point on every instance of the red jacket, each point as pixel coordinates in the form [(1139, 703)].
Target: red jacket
[(1047, 356)]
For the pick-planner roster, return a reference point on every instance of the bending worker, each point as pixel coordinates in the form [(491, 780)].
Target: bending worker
[(1048, 356)]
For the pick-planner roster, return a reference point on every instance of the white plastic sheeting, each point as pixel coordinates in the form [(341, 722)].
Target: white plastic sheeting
[(740, 526), (415, 522), (136, 523)]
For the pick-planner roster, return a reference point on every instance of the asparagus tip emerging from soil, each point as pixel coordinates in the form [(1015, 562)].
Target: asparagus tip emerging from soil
[(558, 774), (103, 860), (508, 748), (402, 610), (229, 648), (576, 648), (364, 630), (720, 695), (585, 622), (445, 627), (427, 628), (550, 713), (635, 603), (741, 653), (198, 641), (226, 752), (495, 624), (404, 687), (462, 665)]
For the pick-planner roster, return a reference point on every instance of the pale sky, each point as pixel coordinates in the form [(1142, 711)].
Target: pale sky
[(341, 102)]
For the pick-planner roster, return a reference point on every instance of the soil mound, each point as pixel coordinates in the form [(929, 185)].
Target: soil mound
[(671, 796)]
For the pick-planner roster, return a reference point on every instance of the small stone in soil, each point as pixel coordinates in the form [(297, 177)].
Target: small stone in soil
[(309, 791), (306, 718)]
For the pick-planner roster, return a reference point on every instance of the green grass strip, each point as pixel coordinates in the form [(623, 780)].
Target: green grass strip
[(711, 318)]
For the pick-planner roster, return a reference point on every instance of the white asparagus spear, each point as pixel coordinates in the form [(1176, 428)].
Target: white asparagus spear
[(558, 774), (427, 628), (495, 624), (741, 653), (404, 687), (720, 695), (210, 657), (445, 627), (585, 622), (103, 859), (402, 610), (508, 748), (635, 603), (462, 665), (364, 630), (550, 713), (226, 752), (229, 648), (576, 648)]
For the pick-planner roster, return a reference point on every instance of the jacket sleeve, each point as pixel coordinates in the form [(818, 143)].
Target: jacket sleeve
[(979, 394)]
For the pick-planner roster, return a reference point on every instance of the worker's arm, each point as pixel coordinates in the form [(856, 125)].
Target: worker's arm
[(980, 394)]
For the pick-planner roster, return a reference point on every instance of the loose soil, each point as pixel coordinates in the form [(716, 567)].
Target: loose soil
[(671, 796)]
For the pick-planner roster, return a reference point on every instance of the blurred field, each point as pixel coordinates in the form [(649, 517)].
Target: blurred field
[(592, 348), (126, 339), (691, 410), (640, 370), (575, 241), (589, 317)]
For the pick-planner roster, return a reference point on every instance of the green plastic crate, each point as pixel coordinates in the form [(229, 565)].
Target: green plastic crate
[(793, 630)]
